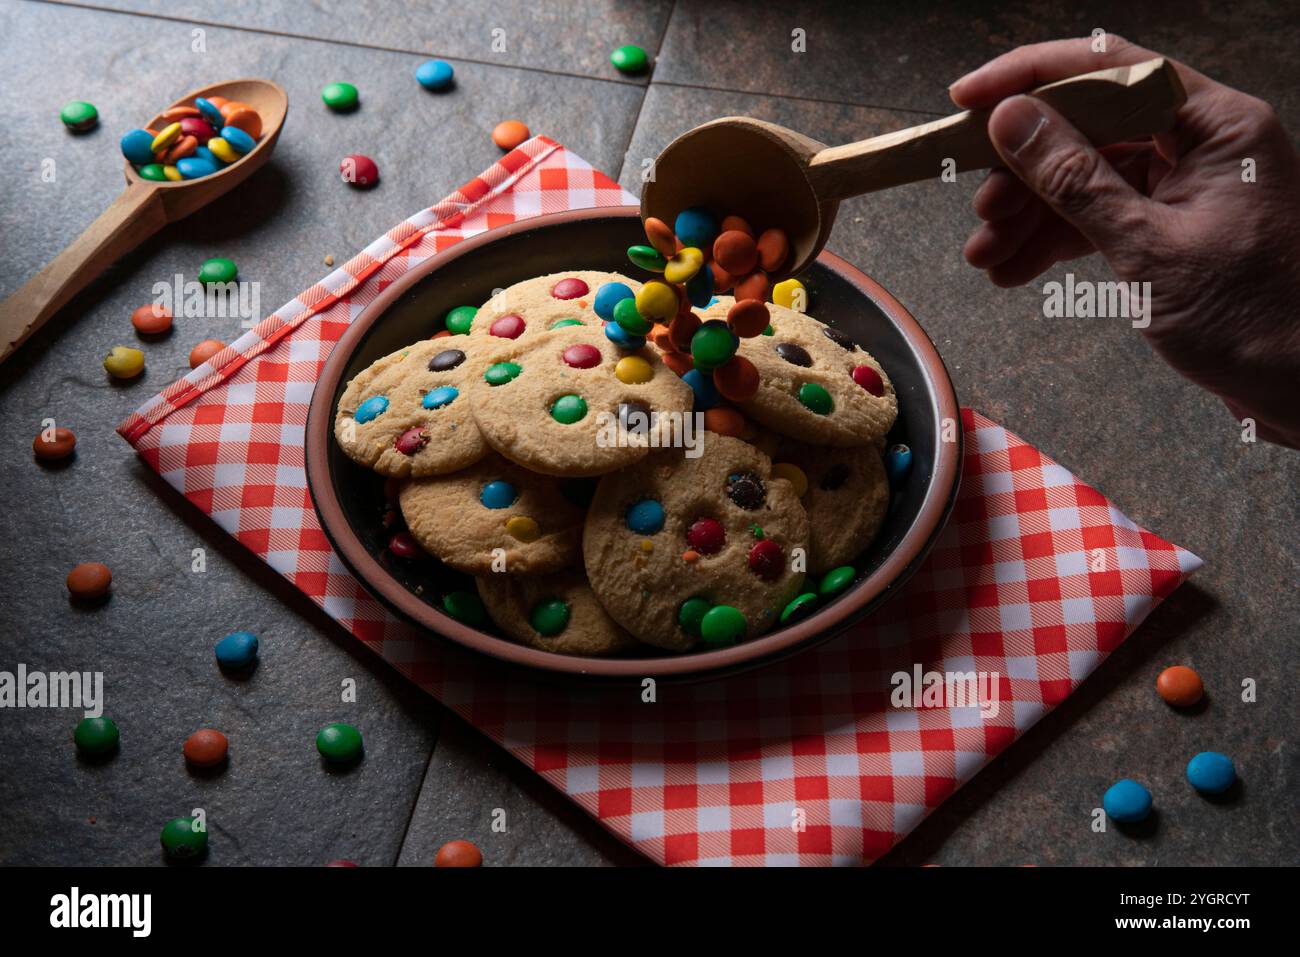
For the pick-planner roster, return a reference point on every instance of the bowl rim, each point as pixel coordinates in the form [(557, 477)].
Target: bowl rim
[(821, 625)]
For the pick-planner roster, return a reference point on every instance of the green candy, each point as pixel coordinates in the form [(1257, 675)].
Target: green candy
[(836, 580), (769, 331), (181, 842), (339, 743), (799, 607), (217, 270), (569, 409), (79, 115), (647, 257), (712, 345), (460, 319), (691, 613), (549, 617), (502, 372), (627, 316), (629, 59), (154, 172), (721, 626), (95, 737), (340, 97), (813, 396), (561, 323), (465, 607)]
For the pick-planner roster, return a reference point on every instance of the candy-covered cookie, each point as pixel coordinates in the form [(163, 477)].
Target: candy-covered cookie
[(815, 383), (683, 550), (527, 309), (556, 613), (571, 402), (408, 413), (496, 517)]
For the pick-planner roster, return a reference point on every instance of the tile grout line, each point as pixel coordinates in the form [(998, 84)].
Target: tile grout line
[(443, 711), (645, 91), (802, 99)]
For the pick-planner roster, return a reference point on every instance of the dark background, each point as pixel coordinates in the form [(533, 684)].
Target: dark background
[(1087, 392)]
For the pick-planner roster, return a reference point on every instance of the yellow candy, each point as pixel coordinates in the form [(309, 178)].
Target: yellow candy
[(684, 266), (792, 474), (647, 546), (124, 363), (791, 294), (657, 300), (167, 137), (633, 370), (172, 173), (222, 150), (523, 528)]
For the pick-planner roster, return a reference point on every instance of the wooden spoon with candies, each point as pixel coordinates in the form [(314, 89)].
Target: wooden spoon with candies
[(774, 177), (143, 208)]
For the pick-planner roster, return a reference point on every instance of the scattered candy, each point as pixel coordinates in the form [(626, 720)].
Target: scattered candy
[(661, 237), (898, 463), (713, 344), (656, 300), (836, 580), (434, 74), (459, 320), (753, 286), (56, 446), (1211, 772), (96, 737), (151, 320), (616, 334), (205, 748), (629, 59), (340, 97), (217, 269), (510, 133), (736, 252), (549, 617), (725, 420), (204, 351), (466, 607), (1126, 802), (181, 841), (748, 318), (339, 743), (458, 854), (721, 626), (124, 362), (359, 170), (237, 650), (699, 289), (628, 316), (1180, 686), (735, 222), (79, 116)]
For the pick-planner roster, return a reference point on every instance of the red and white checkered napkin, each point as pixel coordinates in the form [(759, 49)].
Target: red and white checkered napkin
[(1037, 579)]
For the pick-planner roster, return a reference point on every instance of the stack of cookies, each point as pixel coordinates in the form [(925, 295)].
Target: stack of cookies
[(565, 465)]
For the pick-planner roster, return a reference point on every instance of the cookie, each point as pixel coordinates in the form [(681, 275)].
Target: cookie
[(408, 413), (570, 402), (810, 387), (672, 539), (556, 613), (526, 310), (497, 517)]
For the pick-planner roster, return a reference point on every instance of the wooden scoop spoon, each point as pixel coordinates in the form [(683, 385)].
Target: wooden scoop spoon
[(142, 209), (774, 177)]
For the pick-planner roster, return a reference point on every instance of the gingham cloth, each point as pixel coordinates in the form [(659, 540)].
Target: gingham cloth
[(1037, 578)]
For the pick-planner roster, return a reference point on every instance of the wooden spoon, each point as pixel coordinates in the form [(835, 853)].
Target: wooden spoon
[(142, 209), (774, 177)]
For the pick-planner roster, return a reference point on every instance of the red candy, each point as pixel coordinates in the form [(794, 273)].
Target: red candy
[(403, 545), (735, 252), (706, 536), (581, 356), (358, 170), (507, 327), (411, 441), (206, 748), (569, 289), (766, 560), (198, 128), (869, 379)]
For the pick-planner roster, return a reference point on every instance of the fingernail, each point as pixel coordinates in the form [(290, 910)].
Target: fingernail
[(1015, 122)]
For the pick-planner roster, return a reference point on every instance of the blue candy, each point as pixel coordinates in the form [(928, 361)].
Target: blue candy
[(696, 227), (1211, 772), (372, 408), (210, 113), (237, 650), (699, 288), (437, 398), (239, 141), (621, 337), (608, 296), (434, 74), (645, 517), (498, 495), (1126, 802), (196, 167), (706, 393), (137, 147), (898, 463), (202, 152)]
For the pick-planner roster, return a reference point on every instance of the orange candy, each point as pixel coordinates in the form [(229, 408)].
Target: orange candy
[(63, 445), (182, 148), (736, 379), (244, 117), (730, 223), (89, 581), (179, 113), (736, 252), (204, 351), (1180, 686), (680, 362), (217, 101), (441, 334), (753, 286), (661, 237), (458, 854), (722, 280), (773, 247), (748, 318), (205, 748), (660, 337), (509, 134), (151, 320), (725, 421)]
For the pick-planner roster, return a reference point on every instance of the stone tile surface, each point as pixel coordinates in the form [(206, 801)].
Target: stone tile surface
[(564, 36)]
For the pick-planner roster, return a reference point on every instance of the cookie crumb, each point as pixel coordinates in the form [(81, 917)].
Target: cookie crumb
[(329, 260)]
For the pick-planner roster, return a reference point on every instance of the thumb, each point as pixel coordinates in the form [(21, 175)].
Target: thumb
[(1054, 159)]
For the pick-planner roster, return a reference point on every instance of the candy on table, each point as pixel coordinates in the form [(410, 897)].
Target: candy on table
[(339, 743), (435, 74), (458, 854), (217, 269), (205, 748), (359, 170), (79, 116), (340, 97), (52, 445), (509, 133), (342, 862), (96, 737), (629, 59), (1211, 772), (1126, 802), (123, 362), (151, 320), (184, 838), (204, 351), (89, 581), (1180, 686), (237, 650)]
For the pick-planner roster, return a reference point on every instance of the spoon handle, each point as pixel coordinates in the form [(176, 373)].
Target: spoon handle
[(132, 218), (1108, 106)]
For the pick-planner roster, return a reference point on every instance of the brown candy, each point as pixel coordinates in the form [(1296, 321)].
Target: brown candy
[(736, 379), (748, 318), (682, 329), (60, 446), (736, 252), (773, 247), (730, 223), (205, 748), (722, 280), (89, 581)]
